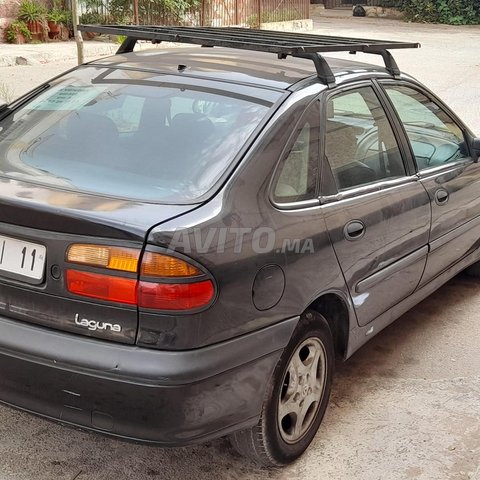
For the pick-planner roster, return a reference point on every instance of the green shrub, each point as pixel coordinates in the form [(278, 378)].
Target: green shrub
[(454, 12), (15, 28), (31, 11), (91, 18)]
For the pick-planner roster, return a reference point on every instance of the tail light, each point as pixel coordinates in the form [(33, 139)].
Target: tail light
[(104, 287), (158, 281)]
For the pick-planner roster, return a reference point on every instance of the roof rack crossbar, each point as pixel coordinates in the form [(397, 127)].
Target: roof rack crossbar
[(324, 72), (282, 43), (127, 45), (390, 63)]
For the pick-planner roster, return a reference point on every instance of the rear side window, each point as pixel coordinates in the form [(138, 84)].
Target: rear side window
[(297, 174), (152, 141), (360, 145)]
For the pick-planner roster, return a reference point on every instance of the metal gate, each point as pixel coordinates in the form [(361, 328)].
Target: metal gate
[(370, 3), (251, 13), (216, 13)]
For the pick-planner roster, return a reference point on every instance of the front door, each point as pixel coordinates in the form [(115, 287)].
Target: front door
[(378, 215), (448, 173)]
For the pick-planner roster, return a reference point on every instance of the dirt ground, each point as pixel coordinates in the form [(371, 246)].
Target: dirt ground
[(406, 406)]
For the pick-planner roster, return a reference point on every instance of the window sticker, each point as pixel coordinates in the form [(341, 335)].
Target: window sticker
[(66, 98)]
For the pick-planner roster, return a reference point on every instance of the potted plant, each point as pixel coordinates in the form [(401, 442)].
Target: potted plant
[(34, 15), (18, 32), (55, 19), (91, 18)]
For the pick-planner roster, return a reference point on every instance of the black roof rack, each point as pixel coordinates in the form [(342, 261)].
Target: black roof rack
[(281, 43)]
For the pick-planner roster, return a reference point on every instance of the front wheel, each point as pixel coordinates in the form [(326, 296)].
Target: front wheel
[(296, 398)]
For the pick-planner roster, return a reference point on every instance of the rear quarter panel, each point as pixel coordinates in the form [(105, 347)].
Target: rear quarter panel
[(236, 235)]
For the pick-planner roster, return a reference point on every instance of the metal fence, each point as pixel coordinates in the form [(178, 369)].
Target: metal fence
[(370, 3), (251, 13), (216, 13)]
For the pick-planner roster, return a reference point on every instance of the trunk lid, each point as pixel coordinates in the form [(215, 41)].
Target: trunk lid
[(37, 225)]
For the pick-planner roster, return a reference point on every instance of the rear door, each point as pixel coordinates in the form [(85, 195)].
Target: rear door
[(376, 210), (447, 171)]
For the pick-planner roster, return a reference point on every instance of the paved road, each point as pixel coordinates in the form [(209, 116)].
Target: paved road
[(407, 406)]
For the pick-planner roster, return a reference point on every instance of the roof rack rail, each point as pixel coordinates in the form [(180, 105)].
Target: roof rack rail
[(281, 43)]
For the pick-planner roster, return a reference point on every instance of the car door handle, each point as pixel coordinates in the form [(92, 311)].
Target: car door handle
[(354, 230), (441, 196)]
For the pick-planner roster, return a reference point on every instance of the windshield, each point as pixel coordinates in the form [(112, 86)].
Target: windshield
[(123, 135)]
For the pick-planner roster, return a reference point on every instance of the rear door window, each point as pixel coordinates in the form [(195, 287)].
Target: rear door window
[(150, 140)]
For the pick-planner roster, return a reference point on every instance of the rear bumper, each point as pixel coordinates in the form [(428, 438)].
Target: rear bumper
[(164, 397)]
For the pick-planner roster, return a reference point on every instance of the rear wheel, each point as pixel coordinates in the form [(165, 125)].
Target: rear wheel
[(296, 398)]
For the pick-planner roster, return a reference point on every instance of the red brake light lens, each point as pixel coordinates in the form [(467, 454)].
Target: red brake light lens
[(175, 296), (103, 287)]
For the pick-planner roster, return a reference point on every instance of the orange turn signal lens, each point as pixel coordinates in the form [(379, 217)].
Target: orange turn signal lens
[(112, 258), (159, 265)]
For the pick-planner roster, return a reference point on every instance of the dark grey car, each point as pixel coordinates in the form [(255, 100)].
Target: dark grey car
[(188, 238)]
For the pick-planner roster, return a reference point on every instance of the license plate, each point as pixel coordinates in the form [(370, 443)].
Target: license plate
[(22, 258)]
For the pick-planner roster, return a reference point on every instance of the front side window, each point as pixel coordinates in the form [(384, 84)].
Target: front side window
[(435, 138), (129, 136), (360, 145)]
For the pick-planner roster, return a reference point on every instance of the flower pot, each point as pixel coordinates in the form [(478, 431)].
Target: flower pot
[(54, 30), (54, 27), (20, 39), (90, 35), (38, 29), (35, 27)]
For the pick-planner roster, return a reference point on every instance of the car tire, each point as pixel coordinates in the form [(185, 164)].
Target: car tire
[(296, 397)]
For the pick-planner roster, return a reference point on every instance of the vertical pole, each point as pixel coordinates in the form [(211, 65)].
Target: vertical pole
[(259, 13), (76, 33), (135, 12)]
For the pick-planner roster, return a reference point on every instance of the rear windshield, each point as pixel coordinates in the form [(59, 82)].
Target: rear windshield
[(152, 140)]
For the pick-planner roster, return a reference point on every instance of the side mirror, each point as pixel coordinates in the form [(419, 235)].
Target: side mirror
[(475, 148)]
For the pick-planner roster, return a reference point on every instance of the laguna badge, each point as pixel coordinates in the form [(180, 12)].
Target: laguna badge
[(93, 325)]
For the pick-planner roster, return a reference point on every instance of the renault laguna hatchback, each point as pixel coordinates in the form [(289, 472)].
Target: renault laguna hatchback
[(189, 237)]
